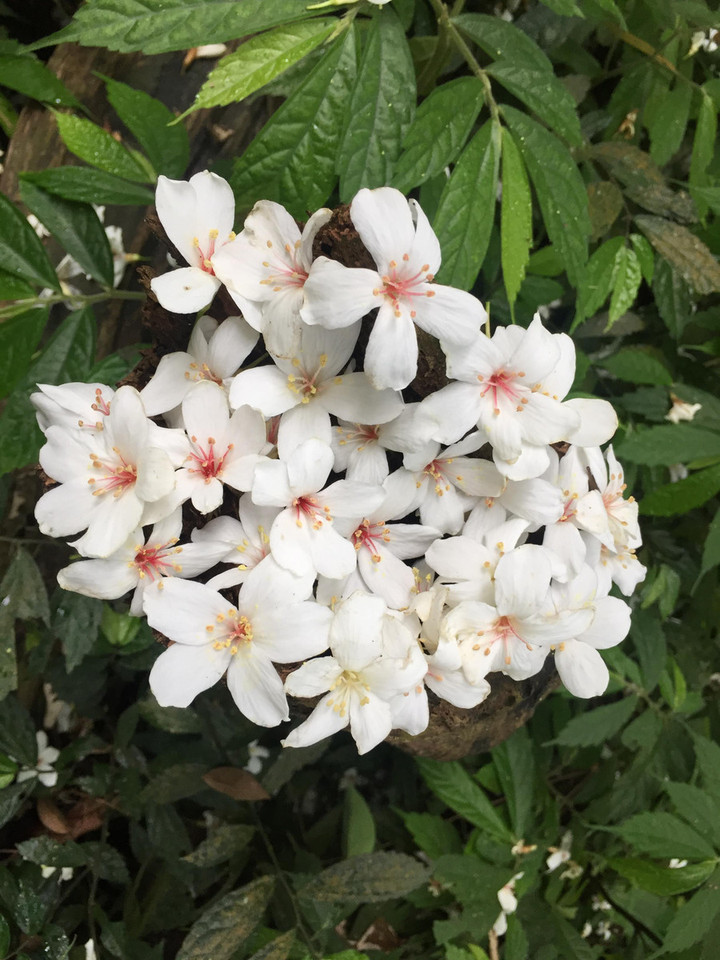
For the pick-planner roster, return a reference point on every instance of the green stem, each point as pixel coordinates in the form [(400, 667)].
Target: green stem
[(446, 25), (20, 306)]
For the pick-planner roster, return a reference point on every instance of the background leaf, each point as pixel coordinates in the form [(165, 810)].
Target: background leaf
[(226, 925), (99, 148), (463, 228), (381, 109), (515, 218), (22, 252), (367, 878)]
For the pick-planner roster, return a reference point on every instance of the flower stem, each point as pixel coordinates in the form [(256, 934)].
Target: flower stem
[(20, 306)]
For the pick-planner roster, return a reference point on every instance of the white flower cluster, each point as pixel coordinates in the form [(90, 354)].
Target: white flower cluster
[(384, 582)]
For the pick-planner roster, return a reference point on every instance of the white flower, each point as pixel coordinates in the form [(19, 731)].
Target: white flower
[(66, 873), (198, 218), (43, 769), (305, 388), (682, 411), (265, 270), (106, 479), (501, 389), (303, 538), (676, 864), (361, 680), (581, 668), (224, 449), (215, 352), (561, 854), (72, 405), (508, 904), (211, 637), (678, 471), (138, 563), (256, 755), (622, 515), (90, 950), (407, 254)]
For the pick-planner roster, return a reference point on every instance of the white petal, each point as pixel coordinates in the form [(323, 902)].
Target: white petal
[(598, 421), (313, 678), (356, 631), (322, 722), (336, 296), (392, 350), (581, 669), (264, 389), (181, 673), (292, 632), (182, 610), (187, 290), (104, 579), (256, 688), (383, 219), (370, 721)]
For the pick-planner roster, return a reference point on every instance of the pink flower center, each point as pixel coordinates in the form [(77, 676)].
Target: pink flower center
[(308, 507), (100, 405), (501, 386), (364, 434), (115, 478), (304, 383), (284, 271), (209, 462), (201, 372), (397, 287), (236, 631), (435, 470), (368, 534), (502, 631), (206, 251), (155, 561)]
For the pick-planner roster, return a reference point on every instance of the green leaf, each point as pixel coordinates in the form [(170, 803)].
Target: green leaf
[(688, 255), (643, 180), (23, 589), (175, 782), (626, 283), (707, 753), (19, 337), (500, 39), (598, 725), (21, 251), (605, 204), (456, 788), (358, 824), (560, 190), (160, 26), (259, 60), (598, 280), (698, 808), (694, 918), (566, 8), (669, 443), (662, 880), (514, 763), (433, 835), (8, 116), (711, 549), (28, 75), (636, 365), (703, 150), (118, 627), (8, 667), (463, 228), (74, 225), (438, 133), (228, 923), (675, 498), (17, 732), (649, 640), (223, 843), (292, 159), (52, 853), (170, 719), (544, 94), (668, 129), (13, 288), (148, 119), (515, 218), (672, 298), (97, 147), (381, 109), (663, 835), (11, 798), (90, 186), (277, 949), (4, 936), (367, 878), (77, 623)]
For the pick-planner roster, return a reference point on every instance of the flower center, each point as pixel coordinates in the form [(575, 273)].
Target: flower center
[(502, 386), (237, 630), (397, 287), (502, 631), (201, 372), (209, 462), (307, 506), (155, 561), (435, 470), (284, 272), (349, 682), (363, 434), (206, 251), (366, 536), (305, 383), (116, 477)]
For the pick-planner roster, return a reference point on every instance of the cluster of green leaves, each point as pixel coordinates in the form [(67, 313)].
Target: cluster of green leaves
[(567, 158)]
